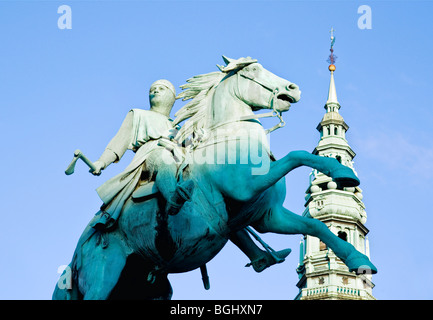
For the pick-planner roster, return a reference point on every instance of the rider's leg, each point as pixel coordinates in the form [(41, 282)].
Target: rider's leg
[(166, 180), (280, 220), (174, 193), (260, 259)]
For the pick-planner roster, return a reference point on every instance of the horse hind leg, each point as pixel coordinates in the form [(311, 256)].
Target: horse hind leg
[(280, 220), (260, 259)]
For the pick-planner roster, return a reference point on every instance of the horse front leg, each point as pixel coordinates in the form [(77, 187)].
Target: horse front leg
[(282, 221), (258, 183), (329, 166)]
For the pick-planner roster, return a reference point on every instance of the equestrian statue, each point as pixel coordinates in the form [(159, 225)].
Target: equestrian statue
[(190, 189)]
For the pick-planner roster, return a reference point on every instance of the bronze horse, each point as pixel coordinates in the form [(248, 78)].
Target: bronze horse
[(237, 184)]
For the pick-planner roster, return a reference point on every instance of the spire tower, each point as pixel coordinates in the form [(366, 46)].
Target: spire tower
[(332, 94), (322, 275)]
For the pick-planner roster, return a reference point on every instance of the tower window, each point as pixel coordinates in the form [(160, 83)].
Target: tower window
[(338, 158), (336, 131), (342, 235)]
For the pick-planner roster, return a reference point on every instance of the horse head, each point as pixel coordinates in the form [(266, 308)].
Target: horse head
[(241, 87), (260, 88)]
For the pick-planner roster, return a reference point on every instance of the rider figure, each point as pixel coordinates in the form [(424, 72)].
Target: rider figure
[(141, 131)]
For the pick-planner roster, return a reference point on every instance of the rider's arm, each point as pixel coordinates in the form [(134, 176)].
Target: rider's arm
[(117, 147)]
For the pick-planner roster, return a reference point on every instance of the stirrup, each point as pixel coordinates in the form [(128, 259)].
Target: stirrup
[(184, 189), (182, 194)]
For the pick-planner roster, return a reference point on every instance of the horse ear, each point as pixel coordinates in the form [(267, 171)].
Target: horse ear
[(233, 64), (227, 60)]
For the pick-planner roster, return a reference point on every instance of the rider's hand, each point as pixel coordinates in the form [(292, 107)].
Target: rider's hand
[(99, 166), (171, 134)]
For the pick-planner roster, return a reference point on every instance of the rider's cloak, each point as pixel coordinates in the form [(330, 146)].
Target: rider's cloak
[(139, 132)]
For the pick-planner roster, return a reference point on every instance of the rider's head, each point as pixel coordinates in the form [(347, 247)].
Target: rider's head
[(162, 95)]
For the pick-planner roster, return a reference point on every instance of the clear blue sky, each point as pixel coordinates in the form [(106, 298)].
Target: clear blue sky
[(66, 89)]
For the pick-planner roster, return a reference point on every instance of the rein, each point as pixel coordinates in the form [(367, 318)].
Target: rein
[(271, 105)]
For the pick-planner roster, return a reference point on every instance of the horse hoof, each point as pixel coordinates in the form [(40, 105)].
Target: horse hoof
[(282, 254), (345, 177), (360, 264)]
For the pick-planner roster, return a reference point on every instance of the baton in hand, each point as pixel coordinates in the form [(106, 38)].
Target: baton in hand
[(79, 155)]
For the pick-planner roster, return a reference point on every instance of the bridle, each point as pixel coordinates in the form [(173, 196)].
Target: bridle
[(271, 105)]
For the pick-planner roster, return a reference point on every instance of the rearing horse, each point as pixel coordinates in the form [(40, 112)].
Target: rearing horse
[(237, 183)]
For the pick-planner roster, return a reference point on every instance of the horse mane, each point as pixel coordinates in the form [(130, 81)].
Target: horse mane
[(200, 89)]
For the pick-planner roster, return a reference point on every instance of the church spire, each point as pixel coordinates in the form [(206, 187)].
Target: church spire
[(322, 275), (332, 102), (332, 93)]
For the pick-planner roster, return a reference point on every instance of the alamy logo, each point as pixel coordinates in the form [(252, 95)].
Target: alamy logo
[(225, 147), (65, 280), (365, 20), (65, 20)]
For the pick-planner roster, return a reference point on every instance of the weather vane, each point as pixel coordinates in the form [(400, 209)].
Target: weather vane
[(332, 56)]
